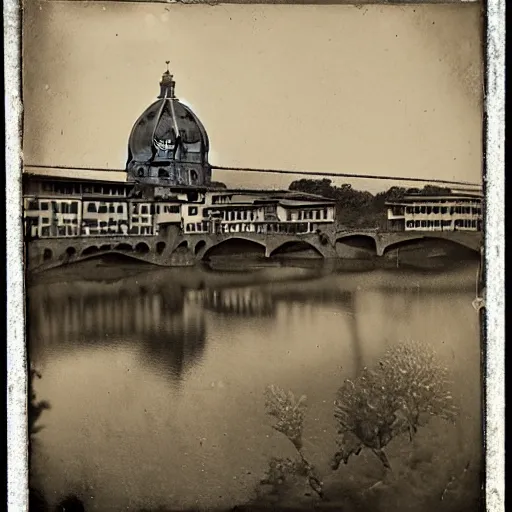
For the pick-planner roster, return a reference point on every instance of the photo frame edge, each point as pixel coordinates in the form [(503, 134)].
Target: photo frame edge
[(17, 435)]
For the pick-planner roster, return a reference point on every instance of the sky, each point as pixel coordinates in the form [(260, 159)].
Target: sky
[(378, 90)]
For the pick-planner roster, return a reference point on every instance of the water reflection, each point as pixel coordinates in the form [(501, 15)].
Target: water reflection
[(156, 382), (166, 329)]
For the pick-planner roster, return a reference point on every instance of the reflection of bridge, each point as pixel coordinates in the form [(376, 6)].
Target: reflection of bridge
[(168, 332), (234, 301), (174, 249)]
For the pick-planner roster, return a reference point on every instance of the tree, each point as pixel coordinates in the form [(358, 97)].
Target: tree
[(289, 415), (356, 208), (405, 389)]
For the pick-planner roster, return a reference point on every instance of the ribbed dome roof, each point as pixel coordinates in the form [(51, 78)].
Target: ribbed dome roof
[(167, 130), (159, 124)]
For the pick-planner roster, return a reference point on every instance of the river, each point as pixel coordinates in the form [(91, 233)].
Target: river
[(156, 380)]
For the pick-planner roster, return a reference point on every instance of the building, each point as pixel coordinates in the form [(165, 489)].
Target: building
[(168, 183), (451, 212), (168, 145), (72, 207)]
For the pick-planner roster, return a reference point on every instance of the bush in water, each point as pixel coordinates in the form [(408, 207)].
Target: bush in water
[(399, 394), (406, 388), (288, 413)]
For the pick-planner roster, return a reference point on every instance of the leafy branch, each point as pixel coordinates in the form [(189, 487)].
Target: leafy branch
[(288, 413), (384, 402)]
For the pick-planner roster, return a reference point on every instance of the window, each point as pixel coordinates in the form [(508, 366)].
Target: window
[(102, 208), (144, 209), (171, 209), (288, 215), (417, 224), (45, 231), (238, 215), (120, 209), (436, 209), (44, 205), (192, 210), (317, 215), (65, 208), (45, 220), (199, 225), (437, 223), (135, 220), (423, 224), (74, 208), (145, 220), (444, 209), (429, 210), (91, 207), (103, 224), (423, 209), (410, 223), (325, 213)]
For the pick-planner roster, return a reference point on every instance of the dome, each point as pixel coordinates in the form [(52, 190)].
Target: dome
[(168, 145)]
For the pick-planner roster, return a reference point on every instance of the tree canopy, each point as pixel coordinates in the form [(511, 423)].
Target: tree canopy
[(360, 208)]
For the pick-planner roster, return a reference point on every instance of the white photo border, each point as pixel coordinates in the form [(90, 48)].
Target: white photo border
[(494, 179)]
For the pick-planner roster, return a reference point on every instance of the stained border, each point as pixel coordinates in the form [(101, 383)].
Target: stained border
[(494, 182)]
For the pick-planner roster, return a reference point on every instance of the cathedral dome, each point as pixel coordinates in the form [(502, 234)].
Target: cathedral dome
[(168, 145)]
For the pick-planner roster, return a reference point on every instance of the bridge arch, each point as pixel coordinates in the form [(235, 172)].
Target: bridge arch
[(182, 245), (431, 242), (70, 252), (160, 247), (359, 240), (123, 247), (92, 249), (105, 247), (295, 246), (356, 245), (236, 245), (199, 247), (142, 248)]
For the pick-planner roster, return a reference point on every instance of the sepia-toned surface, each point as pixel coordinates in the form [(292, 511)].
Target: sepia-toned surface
[(156, 389), (380, 90)]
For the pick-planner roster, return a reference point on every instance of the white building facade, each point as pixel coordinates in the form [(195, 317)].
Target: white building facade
[(457, 212)]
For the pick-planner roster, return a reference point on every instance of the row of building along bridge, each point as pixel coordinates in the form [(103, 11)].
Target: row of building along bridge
[(67, 211), (57, 208)]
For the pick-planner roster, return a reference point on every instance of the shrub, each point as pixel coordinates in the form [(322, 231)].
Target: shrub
[(288, 413), (406, 387)]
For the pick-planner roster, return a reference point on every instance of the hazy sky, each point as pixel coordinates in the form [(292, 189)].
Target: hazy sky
[(390, 90)]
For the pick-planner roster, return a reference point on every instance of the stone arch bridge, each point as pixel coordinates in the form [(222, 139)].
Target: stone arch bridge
[(175, 249)]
